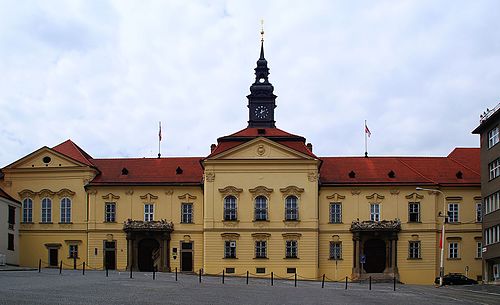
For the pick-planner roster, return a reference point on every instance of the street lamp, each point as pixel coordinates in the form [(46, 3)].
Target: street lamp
[(441, 267)]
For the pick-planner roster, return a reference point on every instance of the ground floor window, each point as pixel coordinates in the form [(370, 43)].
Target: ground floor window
[(291, 249), (230, 249), (335, 250), (453, 250), (73, 251), (260, 249), (479, 249), (10, 242), (414, 249)]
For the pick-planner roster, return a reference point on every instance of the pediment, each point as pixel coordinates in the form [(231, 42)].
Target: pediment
[(45, 158), (259, 149)]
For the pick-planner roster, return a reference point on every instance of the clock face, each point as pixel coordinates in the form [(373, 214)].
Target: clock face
[(261, 112)]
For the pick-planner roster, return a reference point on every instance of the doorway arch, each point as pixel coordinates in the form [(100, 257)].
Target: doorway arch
[(375, 252), (146, 248)]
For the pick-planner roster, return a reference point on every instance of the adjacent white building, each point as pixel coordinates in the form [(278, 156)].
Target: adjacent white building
[(10, 209)]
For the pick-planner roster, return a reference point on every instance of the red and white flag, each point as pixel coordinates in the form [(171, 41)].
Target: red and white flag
[(367, 131), (441, 240)]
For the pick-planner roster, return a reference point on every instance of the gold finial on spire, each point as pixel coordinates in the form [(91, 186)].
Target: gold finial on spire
[(262, 29)]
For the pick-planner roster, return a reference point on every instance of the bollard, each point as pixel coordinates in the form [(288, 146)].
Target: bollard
[(83, 269), (323, 282), (154, 273), (223, 273), (370, 283), (272, 278), (346, 283), (295, 279), (394, 283), (74, 262), (247, 277), (176, 274), (200, 275), (39, 265), (130, 271), (106, 271), (60, 268)]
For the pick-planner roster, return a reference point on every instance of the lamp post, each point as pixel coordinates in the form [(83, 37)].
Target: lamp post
[(441, 242)]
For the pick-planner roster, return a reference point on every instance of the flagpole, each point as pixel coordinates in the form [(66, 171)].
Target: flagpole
[(159, 141), (366, 142)]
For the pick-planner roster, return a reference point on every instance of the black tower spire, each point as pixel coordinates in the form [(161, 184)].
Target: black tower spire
[(261, 101)]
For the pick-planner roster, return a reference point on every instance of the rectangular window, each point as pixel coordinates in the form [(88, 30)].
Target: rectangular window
[(453, 250), (73, 251), (414, 212), (375, 212), (493, 137), (260, 249), (65, 210), (27, 210), (414, 249), (110, 212), (335, 212), (187, 213), (335, 250), (479, 212), (453, 212), (479, 249), (291, 249), (229, 270), (492, 203), (492, 235), (230, 249), (260, 270), (10, 243), (148, 212), (494, 168), (12, 215)]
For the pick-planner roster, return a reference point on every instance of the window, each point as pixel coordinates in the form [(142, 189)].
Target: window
[(148, 212), (492, 235), (479, 213), (10, 243), (261, 208), (291, 208), (492, 137), (230, 270), (414, 212), (335, 250), (260, 249), (452, 212), (230, 208), (65, 210), (375, 212), (12, 217), (479, 249), (335, 212), (291, 270), (27, 210), (110, 212), (414, 249), (73, 251), (453, 250), (260, 270), (291, 249), (230, 249), (492, 203), (187, 213), (494, 168), (46, 210)]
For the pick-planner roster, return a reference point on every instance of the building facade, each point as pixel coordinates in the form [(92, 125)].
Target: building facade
[(9, 233), (261, 202), (490, 191)]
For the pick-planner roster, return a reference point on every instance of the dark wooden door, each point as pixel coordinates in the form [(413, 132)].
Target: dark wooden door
[(110, 255), (187, 257), (145, 258), (53, 259), (375, 255)]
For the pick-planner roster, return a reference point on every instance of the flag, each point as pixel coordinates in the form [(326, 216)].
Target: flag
[(159, 133), (367, 131), (441, 240)]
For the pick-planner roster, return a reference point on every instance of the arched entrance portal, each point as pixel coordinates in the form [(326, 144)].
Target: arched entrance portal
[(375, 253), (146, 248)]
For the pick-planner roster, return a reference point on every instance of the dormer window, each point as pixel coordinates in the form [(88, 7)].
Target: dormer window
[(178, 170), (391, 174), (459, 175), (352, 174), (124, 171), (261, 131)]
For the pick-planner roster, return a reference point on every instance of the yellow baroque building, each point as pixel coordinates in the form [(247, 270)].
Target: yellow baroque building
[(261, 202)]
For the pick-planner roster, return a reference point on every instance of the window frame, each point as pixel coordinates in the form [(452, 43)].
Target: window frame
[(291, 208), (335, 250), (479, 249), (261, 208), (413, 212), (493, 137), (27, 210), (335, 214), (229, 252), (72, 249), (46, 210), (414, 249), (261, 249), (494, 169), (186, 212), (230, 208), (65, 210), (149, 212), (375, 215), (453, 250), (453, 212), (291, 248), (479, 212), (110, 216), (10, 242)]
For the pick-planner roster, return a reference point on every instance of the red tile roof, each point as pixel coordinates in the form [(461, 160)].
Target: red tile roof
[(469, 157), (3, 194), (148, 171), (70, 149)]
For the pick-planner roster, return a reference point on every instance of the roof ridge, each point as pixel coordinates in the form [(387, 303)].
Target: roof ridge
[(416, 171)]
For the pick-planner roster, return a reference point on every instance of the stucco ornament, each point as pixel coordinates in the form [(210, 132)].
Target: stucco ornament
[(384, 225)]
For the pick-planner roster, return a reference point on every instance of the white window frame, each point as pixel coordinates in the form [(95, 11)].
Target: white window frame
[(230, 249), (260, 208), (492, 203), (149, 212), (230, 208), (260, 249), (335, 212), (412, 211), (186, 212), (453, 212), (65, 205), (494, 168), (336, 250), (375, 211), (453, 250), (291, 208), (291, 249), (493, 137), (414, 249), (110, 212), (479, 249), (27, 210), (46, 207)]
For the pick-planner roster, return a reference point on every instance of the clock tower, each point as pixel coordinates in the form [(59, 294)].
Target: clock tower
[(261, 101)]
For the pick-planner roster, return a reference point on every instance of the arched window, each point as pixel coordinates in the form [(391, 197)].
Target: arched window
[(261, 208), (65, 210), (291, 208), (46, 210), (230, 208), (27, 210)]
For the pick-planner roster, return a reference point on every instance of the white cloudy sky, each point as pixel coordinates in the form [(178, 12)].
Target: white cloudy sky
[(103, 73)]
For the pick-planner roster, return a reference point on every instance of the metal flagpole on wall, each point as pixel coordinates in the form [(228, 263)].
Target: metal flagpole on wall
[(159, 141), (367, 135)]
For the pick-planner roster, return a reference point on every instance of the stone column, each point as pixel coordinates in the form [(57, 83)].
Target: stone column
[(356, 256)]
